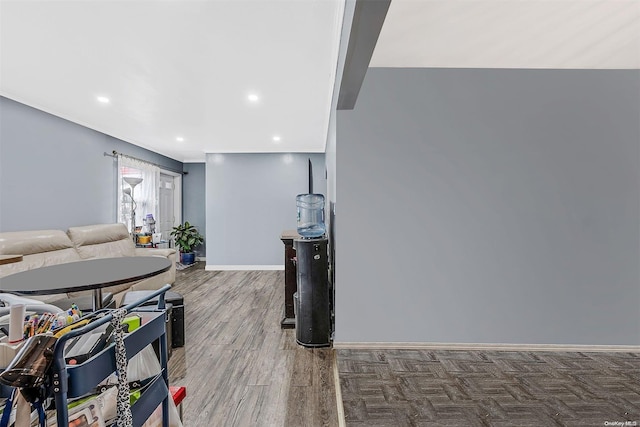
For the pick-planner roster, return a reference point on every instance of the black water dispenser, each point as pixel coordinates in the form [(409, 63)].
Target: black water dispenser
[(312, 299)]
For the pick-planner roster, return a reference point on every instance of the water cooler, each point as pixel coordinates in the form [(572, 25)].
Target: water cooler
[(312, 300)]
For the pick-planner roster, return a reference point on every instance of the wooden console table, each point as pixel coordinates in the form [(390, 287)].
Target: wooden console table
[(290, 279)]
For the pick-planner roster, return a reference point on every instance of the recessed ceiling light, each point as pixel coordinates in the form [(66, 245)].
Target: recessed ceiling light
[(180, 139), (276, 138), (103, 99), (253, 97)]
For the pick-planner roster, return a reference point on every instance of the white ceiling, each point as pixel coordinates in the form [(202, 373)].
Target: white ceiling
[(178, 68), (559, 34), (185, 68)]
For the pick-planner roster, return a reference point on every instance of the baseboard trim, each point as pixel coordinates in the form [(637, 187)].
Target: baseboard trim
[(201, 258), (483, 346), (242, 267), (336, 380)]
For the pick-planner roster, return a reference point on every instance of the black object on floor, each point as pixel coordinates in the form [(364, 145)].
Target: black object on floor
[(311, 301), (169, 327), (177, 313)]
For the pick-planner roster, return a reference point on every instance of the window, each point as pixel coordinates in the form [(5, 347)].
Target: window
[(141, 180)]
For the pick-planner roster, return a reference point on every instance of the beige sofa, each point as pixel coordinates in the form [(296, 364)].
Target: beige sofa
[(41, 248)]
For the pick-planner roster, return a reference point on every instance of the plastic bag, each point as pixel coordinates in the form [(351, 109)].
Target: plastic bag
[(140, 367), (146, 365), (143, 365), (155, 420), (97, 409)]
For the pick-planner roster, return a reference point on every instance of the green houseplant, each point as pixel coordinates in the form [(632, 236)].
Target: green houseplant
[(186, 238)]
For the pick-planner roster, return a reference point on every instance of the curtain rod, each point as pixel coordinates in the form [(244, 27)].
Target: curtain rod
[(115, 154)]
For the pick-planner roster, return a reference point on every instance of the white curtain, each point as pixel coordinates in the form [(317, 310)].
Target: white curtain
[(145, 194)]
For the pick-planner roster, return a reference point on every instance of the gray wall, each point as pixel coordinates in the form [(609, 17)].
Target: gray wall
[(53, 173), (193, 200), (251, 199), (490, 206), (330, 149)]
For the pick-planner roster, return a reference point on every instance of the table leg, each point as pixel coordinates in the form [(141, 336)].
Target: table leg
[(97, 299)]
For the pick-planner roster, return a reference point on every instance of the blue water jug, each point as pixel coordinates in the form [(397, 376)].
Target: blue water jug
[(310, 215)]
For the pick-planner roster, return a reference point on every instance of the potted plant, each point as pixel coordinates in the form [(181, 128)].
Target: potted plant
[(186, 238)]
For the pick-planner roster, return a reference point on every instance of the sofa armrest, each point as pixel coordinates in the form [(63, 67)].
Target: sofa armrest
[(155, 252)]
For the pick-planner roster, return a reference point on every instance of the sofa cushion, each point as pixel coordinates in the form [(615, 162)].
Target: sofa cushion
[(39, 248), (102, 241), (33, 242)]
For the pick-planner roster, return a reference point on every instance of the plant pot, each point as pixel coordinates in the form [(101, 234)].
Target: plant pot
[(187, 258)]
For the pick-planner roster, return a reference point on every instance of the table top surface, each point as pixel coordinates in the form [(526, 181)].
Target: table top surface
[(84, 275), (8, 259), (289, 235)]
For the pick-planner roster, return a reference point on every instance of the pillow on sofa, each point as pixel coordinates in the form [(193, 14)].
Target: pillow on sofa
[(102, 241)]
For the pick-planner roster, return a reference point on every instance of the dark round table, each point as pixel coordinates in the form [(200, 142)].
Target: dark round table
[(91, 274)]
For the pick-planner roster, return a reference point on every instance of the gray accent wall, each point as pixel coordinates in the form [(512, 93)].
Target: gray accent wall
[(490, 206), (251, 199), (193, 200), (54, 174)]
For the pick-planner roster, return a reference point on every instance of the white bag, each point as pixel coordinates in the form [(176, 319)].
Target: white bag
[(145, 365)]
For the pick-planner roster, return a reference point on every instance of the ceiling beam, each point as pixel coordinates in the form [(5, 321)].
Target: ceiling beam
[(368, 17)]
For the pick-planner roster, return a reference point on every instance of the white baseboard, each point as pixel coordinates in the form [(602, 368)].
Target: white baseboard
[(201, 258), (483, 346), (242, 267)]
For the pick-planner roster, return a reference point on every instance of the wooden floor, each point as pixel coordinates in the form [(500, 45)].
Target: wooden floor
[(240, 368)]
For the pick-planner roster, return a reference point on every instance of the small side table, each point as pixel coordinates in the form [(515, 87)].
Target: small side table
[(8, 259), (290, 279), (146, 245)]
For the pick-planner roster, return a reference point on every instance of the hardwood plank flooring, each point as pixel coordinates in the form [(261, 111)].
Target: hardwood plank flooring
[(240, 368)]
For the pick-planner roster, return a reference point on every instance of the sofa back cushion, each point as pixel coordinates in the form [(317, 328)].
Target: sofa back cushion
[(39, 248), (102, 241)]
